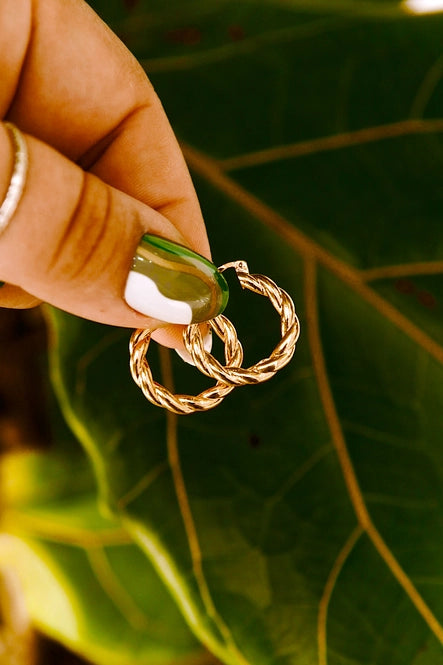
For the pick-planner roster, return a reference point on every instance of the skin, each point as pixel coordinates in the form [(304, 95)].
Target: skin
[(104, 165)]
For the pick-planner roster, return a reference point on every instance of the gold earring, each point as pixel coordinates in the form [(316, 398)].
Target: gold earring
[(231, 374)]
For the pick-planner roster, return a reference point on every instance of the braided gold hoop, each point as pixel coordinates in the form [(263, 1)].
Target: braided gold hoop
[(232, 374)]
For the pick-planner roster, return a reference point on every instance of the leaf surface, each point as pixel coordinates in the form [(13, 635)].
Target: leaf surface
[(85, 582), (299, 522)]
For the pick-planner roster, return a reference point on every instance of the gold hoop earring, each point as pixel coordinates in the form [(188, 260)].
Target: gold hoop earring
[(232, 374)]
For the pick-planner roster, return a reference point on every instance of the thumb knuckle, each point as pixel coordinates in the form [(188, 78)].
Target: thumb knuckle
[(86, 240)]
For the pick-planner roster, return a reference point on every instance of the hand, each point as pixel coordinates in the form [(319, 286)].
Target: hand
[(104, 169)]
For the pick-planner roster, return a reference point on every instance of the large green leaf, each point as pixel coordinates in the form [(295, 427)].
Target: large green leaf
[(85, 582), (301, 521)]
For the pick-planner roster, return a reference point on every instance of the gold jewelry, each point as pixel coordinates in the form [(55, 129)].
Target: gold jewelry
[(18, 178), (232, 374)]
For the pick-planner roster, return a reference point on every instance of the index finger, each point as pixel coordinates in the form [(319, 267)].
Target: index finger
[(75, 86)]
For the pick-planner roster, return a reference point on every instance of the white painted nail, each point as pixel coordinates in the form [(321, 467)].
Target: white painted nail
[(172, 283)]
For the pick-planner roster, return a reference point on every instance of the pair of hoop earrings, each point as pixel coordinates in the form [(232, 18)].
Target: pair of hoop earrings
[(227, 376), (232, 374)]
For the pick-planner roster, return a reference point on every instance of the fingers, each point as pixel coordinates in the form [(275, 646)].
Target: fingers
[(93, 103), (72, 238)]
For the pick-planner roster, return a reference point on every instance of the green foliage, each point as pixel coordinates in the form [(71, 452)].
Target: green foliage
[(300, 522), (86, 583)]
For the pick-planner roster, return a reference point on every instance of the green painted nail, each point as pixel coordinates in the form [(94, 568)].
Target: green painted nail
[(172, 283)]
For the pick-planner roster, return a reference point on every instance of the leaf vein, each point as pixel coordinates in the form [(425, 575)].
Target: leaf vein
[(58, 532), (188, 520), (295, 477), (114, 589), (142, 485), (337, 567), (309, 29), (309, 249), (92, 354), (403, 270), (407, 127), (348, 471), (426, 89)]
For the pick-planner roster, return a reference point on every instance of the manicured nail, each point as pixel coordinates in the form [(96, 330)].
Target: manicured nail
[(172, 283), (186, 356)]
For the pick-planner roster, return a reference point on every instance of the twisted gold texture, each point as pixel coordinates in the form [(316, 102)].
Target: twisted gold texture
[(232, 374)]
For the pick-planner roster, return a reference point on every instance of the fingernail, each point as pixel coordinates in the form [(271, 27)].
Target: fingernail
[(186, 356), (172, 283)]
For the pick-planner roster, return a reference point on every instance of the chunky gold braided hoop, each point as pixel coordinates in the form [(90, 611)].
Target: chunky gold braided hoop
[(183, 404), (281, 355), (232, 374)]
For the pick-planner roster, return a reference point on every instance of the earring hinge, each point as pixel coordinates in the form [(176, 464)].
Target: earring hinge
[(240, 267)]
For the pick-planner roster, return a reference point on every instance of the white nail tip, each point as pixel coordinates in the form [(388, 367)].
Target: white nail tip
[(142, 294), (184, 355)]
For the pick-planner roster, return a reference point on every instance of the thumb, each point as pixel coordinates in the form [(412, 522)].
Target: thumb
[(96, 252)]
